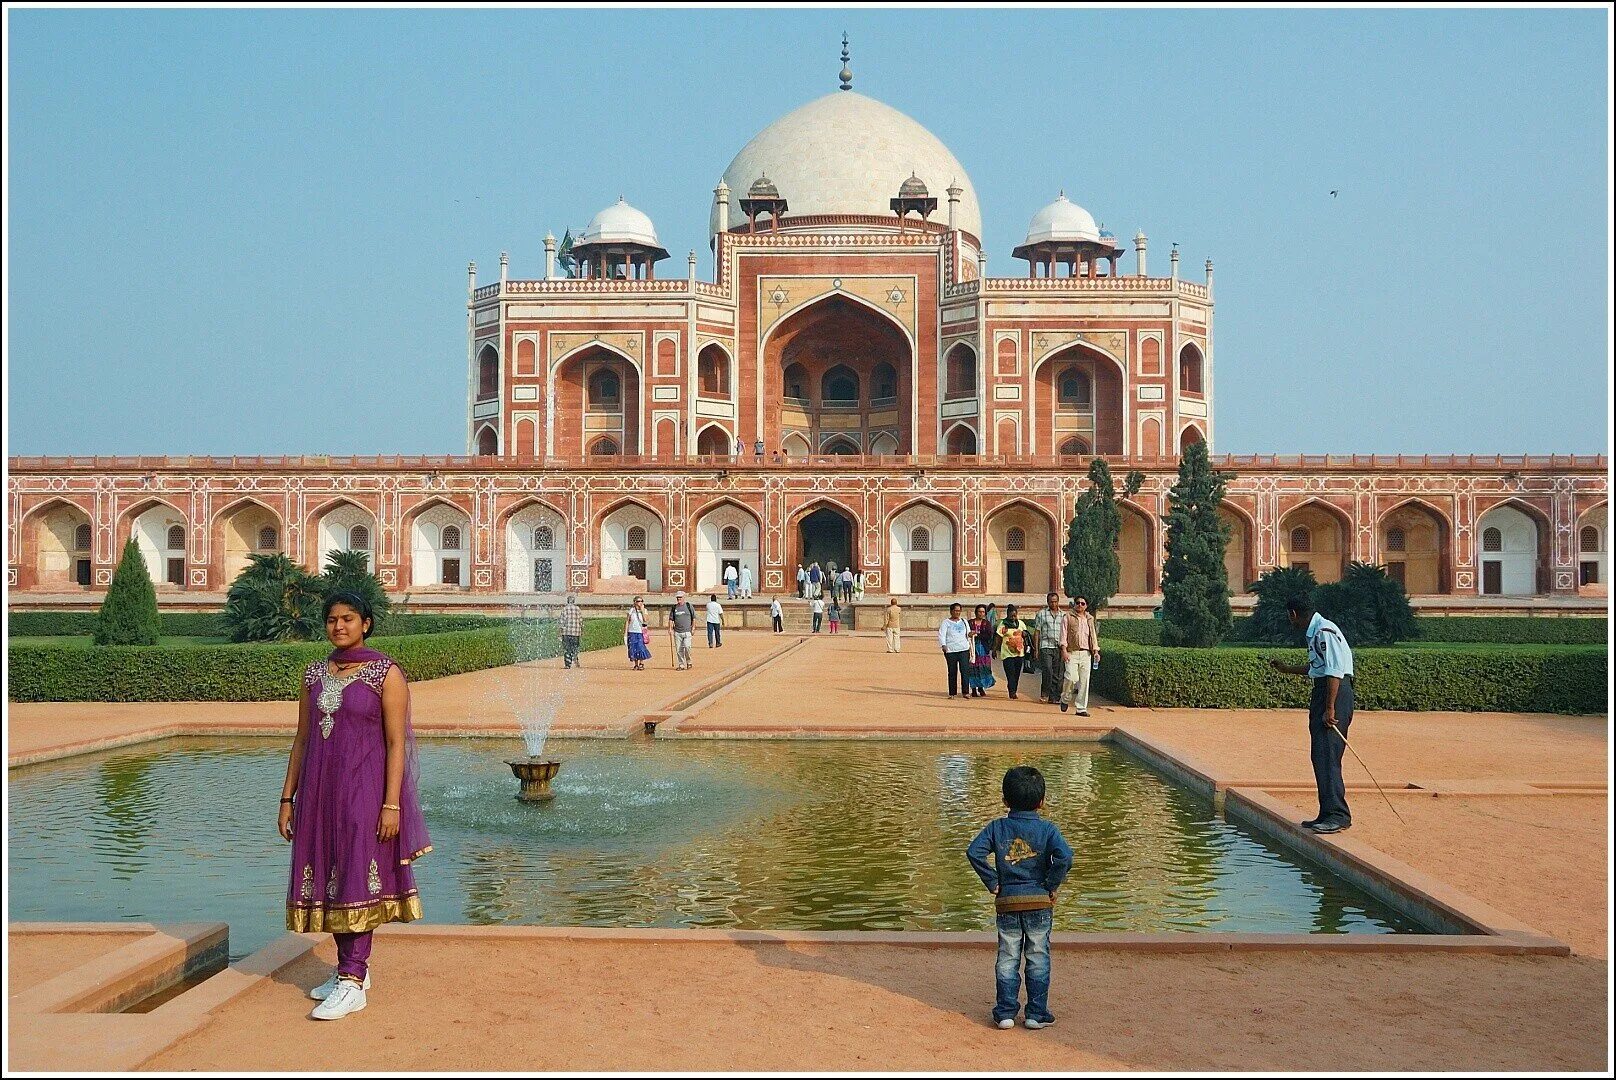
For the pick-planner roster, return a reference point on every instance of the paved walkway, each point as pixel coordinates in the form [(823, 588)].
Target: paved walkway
[(1509, 808)]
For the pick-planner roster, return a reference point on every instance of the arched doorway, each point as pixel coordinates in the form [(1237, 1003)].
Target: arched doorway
[(487, 441), (1237, 565), (344, 527), (726, 535), (713, 442), (961, 440), (1136, 553), (1078, 393), (1593, 549), (597, 404), (1510, 552), (1413, 547), (247, 529), (1020, 551), (826, 535), (1314, 537), (837, 366), (921, 543), (631, 545), (62, 539), (535, 551), (1188, 438), (440, 547), (160, 534)]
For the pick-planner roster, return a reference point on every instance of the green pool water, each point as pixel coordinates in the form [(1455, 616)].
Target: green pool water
[(759, 835)]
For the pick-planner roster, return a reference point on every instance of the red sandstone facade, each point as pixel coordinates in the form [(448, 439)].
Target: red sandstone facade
[(853, 388)]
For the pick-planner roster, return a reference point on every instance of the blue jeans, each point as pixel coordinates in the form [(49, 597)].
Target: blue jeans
[(1023, 934), (715, 634)]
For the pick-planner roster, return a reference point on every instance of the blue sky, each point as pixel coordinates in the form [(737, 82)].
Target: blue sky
[(247, 231)]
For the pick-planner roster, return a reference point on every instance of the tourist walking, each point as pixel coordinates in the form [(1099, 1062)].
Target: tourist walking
[(682, 625), (777, 615), (636, 634), (858, 585), (815, 575), (1023, 860), (818, 604), (835, 613), (847, 585), (715, 623), (1081, 654), (954, 637), (1049, 630), (731, 579), (979, 672), (1012, 635), (892, 623), (802, 583), (572, 633), (1329, 710), (746, 581), (349, 804)]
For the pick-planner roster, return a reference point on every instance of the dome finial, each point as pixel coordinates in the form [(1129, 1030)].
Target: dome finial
[(847, 72)]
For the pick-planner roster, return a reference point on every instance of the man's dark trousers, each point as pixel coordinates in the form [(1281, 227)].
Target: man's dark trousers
[(956, 671), (1328, 747)]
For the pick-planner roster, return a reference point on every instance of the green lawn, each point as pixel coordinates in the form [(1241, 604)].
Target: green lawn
[(84, 642)]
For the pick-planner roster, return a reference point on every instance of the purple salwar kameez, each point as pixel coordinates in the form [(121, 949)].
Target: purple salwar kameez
[(344, 881)]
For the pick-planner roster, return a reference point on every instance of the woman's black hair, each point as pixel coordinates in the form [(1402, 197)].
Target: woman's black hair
[(1008, 608), (348, 598)]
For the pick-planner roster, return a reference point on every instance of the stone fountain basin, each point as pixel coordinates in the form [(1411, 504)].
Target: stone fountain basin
[(535, 773)]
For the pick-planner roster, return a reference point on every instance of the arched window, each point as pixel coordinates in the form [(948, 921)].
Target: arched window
[(840, 386), (1075, 391), (729, 539), (884, 445), (1492, 540), (713, 442), (81, 539), (1015, 539), (1301, 539), (543, 538), (267, 538), (359, 538), (603, 446), (605, 389), (1589, 538), (1396, 539), (920, 539), (487, 442), (1189, 370), (961, 372), (451, 538), (713, 372), (962, 440), (843, 446), (1074, 447), (635, 539), (176, 537), (487, 372), (885, 382), (797, 382)]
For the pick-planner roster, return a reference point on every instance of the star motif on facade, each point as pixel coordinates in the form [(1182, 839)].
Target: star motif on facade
[(779, 297), (895, 296)]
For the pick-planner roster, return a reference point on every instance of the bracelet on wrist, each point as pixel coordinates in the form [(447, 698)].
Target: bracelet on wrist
[(389, 806), (284, 801)]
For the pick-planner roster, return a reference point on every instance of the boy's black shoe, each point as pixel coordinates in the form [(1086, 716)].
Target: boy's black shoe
[(1064, 706), (1327, 827)]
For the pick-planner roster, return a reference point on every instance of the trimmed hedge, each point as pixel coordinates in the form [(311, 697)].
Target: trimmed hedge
[(212, 624), (1514, 629), (1525, 680), (268, 672)]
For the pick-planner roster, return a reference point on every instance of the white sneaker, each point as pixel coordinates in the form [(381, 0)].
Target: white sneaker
[(348, 997), (1007, 1023), (323, 991), (1034, 1025)]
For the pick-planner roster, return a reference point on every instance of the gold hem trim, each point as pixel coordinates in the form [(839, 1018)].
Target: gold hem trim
[(354, 920), (424, 851)]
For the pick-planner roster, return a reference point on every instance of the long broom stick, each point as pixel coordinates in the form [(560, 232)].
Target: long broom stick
[(1372, 779)]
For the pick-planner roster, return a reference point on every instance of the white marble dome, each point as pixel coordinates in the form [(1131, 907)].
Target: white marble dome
[(1062, 220), (620, 223), (848, 154)]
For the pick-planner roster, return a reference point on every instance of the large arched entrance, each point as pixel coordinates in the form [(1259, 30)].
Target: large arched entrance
[(597, 404), (1414, 546), (1020, 551), (62, 539), (921, 542), (838, 372), (1314, 537), (1513, 552), (1078, 397), (826, 535)]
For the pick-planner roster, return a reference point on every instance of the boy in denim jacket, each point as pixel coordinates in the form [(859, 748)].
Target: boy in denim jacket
[(1022, 858)]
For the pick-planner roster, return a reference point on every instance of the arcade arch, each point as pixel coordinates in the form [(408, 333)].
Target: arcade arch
[(440, 547), (1413, 545), (160, 533), (839, 367), (1020, 555), (921, 542), (597, 403), (726, 535), (344, 527), (1078, 392), (535, 550), (1510, 548), (631, 545), (62, 539), (1593, 547), (1314, 535), (241, 531)]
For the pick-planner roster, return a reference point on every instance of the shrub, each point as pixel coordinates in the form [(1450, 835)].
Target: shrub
[(1513, 629), (1270, 622), (266, 672), (128, 615), (349, 571), (1369, 606), (274, 599), (1092, 568), (1195, 585), (1529, 679)]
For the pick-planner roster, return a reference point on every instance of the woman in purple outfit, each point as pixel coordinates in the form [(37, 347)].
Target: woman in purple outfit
[(349, 805)]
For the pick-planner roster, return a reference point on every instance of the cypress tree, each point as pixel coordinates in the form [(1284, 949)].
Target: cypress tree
[(1195, 585), (1092, 567), (129, 613)]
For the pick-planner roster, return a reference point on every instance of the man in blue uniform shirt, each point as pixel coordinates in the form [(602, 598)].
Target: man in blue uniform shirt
[(1329, 713)]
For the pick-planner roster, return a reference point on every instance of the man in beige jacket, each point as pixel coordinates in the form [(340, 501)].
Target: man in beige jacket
[(892, 623), (1080, 652)]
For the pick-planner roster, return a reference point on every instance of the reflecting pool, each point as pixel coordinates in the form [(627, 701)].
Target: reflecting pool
[(760, 835)]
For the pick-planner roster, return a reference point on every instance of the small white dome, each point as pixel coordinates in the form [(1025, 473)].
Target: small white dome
[(1062, 220), (620, 223)]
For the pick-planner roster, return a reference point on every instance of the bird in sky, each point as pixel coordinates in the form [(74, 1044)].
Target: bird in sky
[(1333, 194)]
